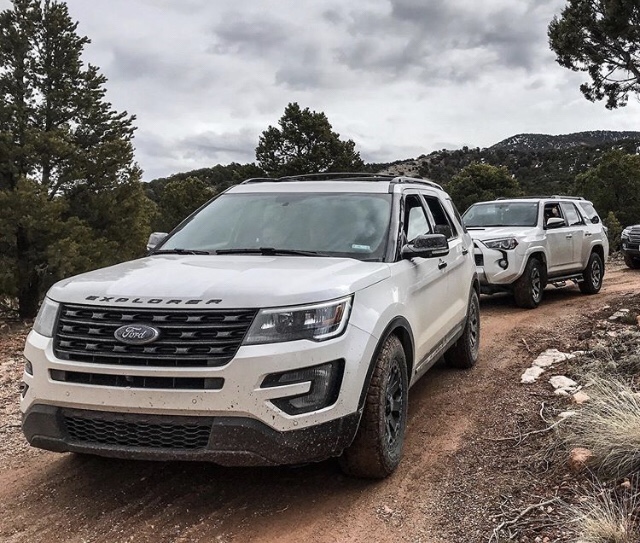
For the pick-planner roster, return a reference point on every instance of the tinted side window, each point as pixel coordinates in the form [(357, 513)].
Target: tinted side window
[(443, 224), (573, 218), (590, 212), (415, 218)]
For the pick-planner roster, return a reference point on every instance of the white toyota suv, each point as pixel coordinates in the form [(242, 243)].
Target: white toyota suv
[(282, 322), (523, 244)]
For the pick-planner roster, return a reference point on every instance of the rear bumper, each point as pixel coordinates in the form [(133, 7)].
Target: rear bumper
[(229, 441)]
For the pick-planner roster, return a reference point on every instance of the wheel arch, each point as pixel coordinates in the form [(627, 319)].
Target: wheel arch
[(401, 328), (599, 250), (542, 257)]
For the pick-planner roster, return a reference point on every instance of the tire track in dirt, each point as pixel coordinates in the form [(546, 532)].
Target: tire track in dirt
[(49, 497)]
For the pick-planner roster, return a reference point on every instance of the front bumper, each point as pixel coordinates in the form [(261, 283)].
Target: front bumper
[(496, 269), (229, 441), (242, 394), (632, 249)]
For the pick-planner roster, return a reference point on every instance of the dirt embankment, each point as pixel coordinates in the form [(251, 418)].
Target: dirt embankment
[(448, 488)]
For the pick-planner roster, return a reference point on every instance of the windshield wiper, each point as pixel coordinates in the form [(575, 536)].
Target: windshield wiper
[(180, 252), (267, 251)]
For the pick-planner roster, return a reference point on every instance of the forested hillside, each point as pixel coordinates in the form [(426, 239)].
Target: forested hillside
[(541, 164)]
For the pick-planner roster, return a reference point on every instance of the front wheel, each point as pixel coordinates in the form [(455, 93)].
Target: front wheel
[(464, 352), (377, 447), (527, 290), (593, 274), (631, 262)]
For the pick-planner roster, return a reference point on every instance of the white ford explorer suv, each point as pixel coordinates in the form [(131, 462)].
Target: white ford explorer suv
[(283, 322), (523, 244)]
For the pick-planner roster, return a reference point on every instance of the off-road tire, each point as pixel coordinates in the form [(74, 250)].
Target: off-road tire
[(527, 290), (592, 274), (377, 447), (464, 352), (631, 262)]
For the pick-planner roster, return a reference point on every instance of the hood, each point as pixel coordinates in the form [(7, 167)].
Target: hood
[(497, 232), (240, 281)]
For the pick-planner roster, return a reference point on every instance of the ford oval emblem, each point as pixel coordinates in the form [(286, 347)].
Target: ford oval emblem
[(136, 334)]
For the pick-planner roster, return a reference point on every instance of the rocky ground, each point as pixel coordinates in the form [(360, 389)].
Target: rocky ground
[(481, 461)]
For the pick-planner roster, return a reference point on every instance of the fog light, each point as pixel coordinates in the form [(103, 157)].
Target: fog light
[(504, 264), (324, 387), (24, 387)]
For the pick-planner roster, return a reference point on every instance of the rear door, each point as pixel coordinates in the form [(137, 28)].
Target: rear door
[(559, 240), (578, 230)]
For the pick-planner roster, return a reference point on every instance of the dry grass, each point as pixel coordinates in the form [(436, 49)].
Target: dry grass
[(607, 518), (609, 426)]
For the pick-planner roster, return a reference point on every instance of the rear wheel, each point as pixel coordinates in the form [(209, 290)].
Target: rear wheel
[(631, 262), (377, 447), (593, 274), (527, 290), (464, 352)]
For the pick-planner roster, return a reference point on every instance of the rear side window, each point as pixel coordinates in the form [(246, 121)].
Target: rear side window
[(590, 213), (573, 218)]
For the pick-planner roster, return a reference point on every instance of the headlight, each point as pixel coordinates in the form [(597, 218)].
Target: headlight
[(626, 232), (505, 244), (316, 322), (46, 319)]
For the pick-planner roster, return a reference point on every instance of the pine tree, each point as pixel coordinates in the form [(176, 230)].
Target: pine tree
[(305, 143), (59, 139)]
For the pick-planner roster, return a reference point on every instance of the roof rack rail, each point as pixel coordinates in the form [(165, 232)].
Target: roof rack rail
[(544, 196), (322, 176), (419, 180), (345, 176), (337, 175)]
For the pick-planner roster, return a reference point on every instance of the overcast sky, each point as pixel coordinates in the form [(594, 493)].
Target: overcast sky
[(400, 77)]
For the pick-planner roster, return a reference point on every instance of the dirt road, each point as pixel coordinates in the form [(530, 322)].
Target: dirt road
[(50, 497)]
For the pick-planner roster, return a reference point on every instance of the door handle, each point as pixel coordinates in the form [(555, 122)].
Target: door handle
[(587, 234), (442, 265), (569, 236)]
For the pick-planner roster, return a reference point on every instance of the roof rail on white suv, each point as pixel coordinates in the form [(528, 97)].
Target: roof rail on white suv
[(524, 244)]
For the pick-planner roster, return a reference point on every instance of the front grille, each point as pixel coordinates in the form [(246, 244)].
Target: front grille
[(137, 381), (634, 235), (188, 338), (101, 431)]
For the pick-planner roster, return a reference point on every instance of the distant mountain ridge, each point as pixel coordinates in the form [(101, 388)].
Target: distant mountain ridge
[(546, 142), (541, 163)]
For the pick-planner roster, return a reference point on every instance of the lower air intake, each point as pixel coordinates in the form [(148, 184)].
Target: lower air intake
[(137, 434)]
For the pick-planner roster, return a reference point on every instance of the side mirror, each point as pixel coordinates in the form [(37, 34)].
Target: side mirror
[(555, 222), (155, 239), (595, 219), (427, 246)]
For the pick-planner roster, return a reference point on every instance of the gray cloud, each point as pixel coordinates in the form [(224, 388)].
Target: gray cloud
[(245, 34), (445, 40), (399, 77)]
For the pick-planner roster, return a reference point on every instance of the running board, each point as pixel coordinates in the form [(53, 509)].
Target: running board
[(561, 281)]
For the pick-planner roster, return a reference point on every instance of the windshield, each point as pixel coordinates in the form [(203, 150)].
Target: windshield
[(340, 224), (501, 214)]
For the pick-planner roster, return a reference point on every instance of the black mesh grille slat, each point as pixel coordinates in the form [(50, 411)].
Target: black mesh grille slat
[(137, 381), (188, 338), (137, 434), (479, 260)]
